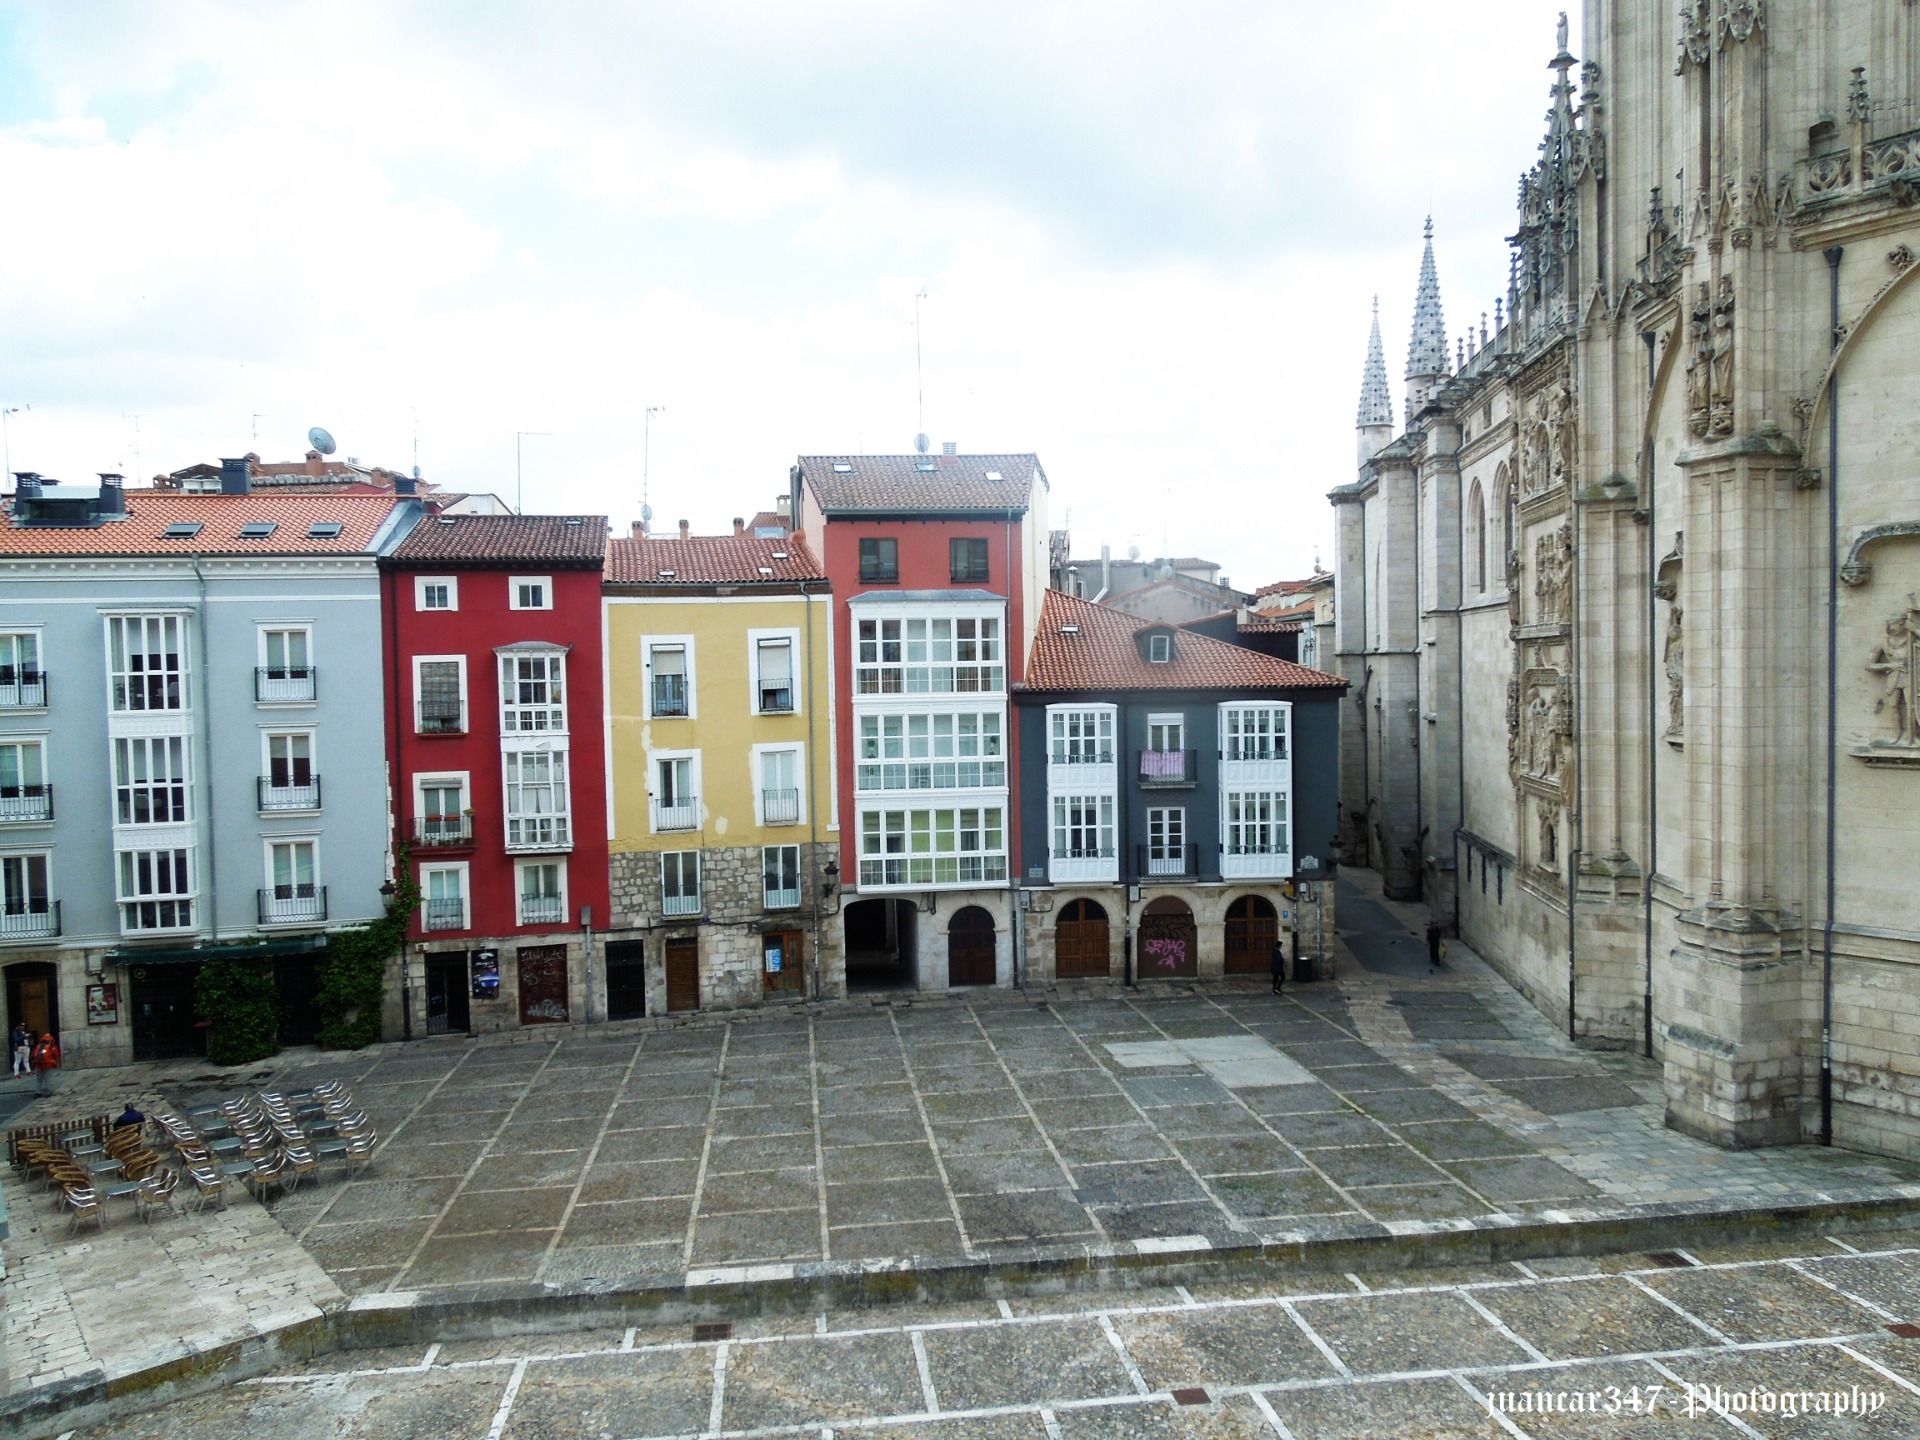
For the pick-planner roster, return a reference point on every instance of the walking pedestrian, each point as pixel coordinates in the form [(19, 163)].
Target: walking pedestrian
[(46, 1060), (1279, 965), (1435, 949), (20, 1046)]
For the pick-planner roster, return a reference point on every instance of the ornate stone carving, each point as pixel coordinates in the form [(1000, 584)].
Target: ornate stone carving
[(1740, 19), (1699, 360), (1696, 34), (1553, 575), (1673, 659), (1513, 587), (1829, 172), (1549, 841), (1720, 407), (1889, 159), (1856, 569), (1896, 659), (1513, 726), (1900, 257), (1542, 757), (1859, 98)]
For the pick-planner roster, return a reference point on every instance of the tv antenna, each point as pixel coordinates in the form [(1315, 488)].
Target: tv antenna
[(6, 434), (919, 372), (646, 458), (518, 489)]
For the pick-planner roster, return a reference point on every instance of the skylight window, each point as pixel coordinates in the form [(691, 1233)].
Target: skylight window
[(925, 467), (994, 475), (666, 574), (779, 555), (258, 529), (841, 467), (324, 530), (181, 530)]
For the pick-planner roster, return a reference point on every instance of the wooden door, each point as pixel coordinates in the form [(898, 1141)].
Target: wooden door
[(782, 968), (1169, 944), (970, 947), (1082, 944), (683, 975), (626, 979), (543, 984), (33, 1009), (1252, 928)]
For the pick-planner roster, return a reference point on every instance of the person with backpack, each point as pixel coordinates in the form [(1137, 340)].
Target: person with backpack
[(46, 1060)]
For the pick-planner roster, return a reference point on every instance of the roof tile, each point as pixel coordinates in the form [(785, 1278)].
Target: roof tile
[(150, 512), (711, 560), (573, 540), (1104, 655), (903, 484)]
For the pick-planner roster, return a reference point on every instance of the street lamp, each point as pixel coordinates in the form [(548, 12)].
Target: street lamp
[(387, 891)]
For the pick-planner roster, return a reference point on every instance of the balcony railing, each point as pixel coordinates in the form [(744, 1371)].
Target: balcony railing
[(443, 915), (1168, 767), (293, 904), (442, 722), (1101, 756), (679, 904), (776, 699), (442, 832), (1163, 861), (30, 920), (539, 832), (669, 695), (681, 815), (22, 804), (781, 807), (22, 689), (540, 910), (783, 899), (288, 793), (1253, 859), (284, 684)]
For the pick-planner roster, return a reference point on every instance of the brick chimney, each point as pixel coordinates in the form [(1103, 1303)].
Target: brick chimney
[(639, 530), (684, 527), (316, 463), (739, 526)]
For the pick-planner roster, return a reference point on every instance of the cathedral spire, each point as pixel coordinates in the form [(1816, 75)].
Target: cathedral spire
[(1376, 405), (1427, 350)]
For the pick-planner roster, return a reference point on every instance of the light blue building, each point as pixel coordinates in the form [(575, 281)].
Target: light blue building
[(192, 748)]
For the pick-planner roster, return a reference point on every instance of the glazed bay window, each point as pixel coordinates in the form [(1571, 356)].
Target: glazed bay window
[(879, 561), (1080, 736), (27, 910), (780, 876), (147, 663), (1253, 832), (542, 894), (291, 783), (669, 694), (933, 847), (24, 793), (680, 882), (286, 672), (946, 751), (773, 676), (23, 684), (936, 655), (151, 785), (531, 697), (293, 895), (155, 889), (1253, 732), (1083, 827), (440, 695), (538, 809)]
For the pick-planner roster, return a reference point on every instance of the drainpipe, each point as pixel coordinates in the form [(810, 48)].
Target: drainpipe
[(390, 583), (1010, 742), (813, 794), (205, 668), (1653, 750), (1832, 254)]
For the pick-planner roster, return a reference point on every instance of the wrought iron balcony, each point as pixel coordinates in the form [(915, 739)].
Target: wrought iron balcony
[(1168, 768), (540, 910), (776, 699), (443, 832), (285, 793), (679, 904), (30, 920), (783, 899), (443, 915), (24, 804), (781, 807), (285, 684), (682, 814), (669, 695), (22, 689), (293, 905)]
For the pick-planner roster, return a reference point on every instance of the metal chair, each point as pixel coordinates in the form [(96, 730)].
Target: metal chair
[(156, 1193), (83, 1204)]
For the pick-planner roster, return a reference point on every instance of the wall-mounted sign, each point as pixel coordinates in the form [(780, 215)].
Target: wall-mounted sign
[(103, 1004), (486, 974)]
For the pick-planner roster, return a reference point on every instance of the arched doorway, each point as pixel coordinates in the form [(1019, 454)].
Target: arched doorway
[(880, 941), (1253, 925), (1082, 945), (1169, 943), (33, 997), (970, 947)]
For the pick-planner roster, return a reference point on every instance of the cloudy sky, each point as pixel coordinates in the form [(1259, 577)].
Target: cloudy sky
[(1148, 236)]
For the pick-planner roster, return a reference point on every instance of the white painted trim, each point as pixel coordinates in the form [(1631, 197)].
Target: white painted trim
[(815, 597), (796, 663), (457, 867), (654, 757), (650, 643), (466, 716), (554, 862), (420, 583), (437, 778), (514, 582)]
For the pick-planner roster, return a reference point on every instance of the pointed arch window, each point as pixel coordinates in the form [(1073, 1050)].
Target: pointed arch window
[(1474, 561)]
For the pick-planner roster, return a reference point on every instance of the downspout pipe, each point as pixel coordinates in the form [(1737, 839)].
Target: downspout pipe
[(1653, 750), (1010, 742), (1832, 254), (390, 583), (813, 793), (205, 727)]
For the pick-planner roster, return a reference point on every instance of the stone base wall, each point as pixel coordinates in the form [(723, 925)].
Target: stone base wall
[(1209, 904), (586, 994), (82, 1046), (1876, 1062)]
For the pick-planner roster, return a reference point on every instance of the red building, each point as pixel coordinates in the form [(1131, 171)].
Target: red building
[(936, 563), (496, 749)]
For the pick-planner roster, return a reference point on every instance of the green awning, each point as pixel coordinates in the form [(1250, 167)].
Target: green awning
[(193, 954)]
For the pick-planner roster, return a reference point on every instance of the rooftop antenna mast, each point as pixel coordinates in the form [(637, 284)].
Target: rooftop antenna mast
[(646, 459), (518, 490), (919, 369), (256, 431), (6, 437)]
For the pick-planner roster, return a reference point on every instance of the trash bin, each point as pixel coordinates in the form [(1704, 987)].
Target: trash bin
[(1306, 967)]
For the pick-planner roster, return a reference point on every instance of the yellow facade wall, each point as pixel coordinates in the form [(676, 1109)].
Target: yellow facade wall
[(721, 632)]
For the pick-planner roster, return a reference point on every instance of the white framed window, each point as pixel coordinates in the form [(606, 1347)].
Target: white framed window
[(1159, 649), (1083, 827), (668, 666), (1253, 732), (440, 694), (529, 592), (152, 780), (293, 894), (773, 692), (290, 781), (533, 693), (1165, 761), (440, 807), (443, 897), (781, 798), (1080, 734), (25, 795), (540, 892), (436, 592), (537, 799), (155, 889), (929, 655), (780, 877), (964, 845), (23, 681), (27, 909), (1253, 822), (1167, 852), (286, 674), (947, 750), (680, 882), (147, 664), (674, 776)]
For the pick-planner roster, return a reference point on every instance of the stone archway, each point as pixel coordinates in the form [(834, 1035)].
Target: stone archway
[(1082, 942), (1253, 928), (970, 947), (1169, 941)]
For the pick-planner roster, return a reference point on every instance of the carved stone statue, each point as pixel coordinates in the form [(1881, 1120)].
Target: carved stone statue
[(1553, 575), (1894, 661), (1513, 587), (1720, 407), (1673, 660), (1699, 361), (1549, 850), (1513, 726), (1540, 748), (1560, 34)]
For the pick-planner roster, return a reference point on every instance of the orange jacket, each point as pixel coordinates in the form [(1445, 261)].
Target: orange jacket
[(46, 1055)]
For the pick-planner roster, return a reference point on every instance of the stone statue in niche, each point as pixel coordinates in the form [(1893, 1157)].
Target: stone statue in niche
[(1513, 725), (1541, 751), (1895, 660), (1720, 405), (1553, 575), (1673, 659), (1549, 849), (1513, 587), (1560, 433), (1699, 361)]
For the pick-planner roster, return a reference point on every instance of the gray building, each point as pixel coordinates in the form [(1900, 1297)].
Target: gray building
[(1178, 800), (192, 748)]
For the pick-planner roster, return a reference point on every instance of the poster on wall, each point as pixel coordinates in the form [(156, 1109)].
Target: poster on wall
[(103, 1004), (773, 959), (486, 974)]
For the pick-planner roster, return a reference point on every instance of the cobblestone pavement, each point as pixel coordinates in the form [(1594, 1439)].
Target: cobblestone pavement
[(1758, 1330)]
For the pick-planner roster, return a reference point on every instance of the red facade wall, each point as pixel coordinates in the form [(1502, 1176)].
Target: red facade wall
[(483, 622)]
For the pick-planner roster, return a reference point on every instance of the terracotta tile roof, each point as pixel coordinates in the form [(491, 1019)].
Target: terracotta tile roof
[(1298, 610), (1268, 625), (150, 512), (1104, 655), (1281, 587), (770, 520), (898, 484), (570, 540), (710, 560)]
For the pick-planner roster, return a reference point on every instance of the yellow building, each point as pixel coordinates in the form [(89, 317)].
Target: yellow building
[(720, 754)]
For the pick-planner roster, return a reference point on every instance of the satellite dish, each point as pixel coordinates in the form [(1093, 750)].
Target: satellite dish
[(1133, 552), (320, 440), (646, 514), (921, 442)]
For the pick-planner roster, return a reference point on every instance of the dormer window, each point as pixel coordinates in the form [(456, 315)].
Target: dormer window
[(1159, 649)]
